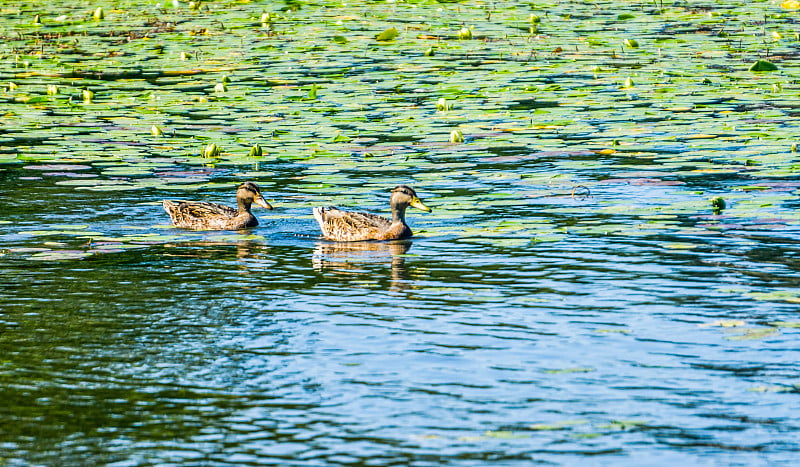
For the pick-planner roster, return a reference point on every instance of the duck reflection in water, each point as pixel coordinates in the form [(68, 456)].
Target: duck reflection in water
[(358, 260), (218, 250)]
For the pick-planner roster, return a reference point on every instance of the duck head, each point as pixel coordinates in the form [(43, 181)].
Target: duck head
[(404, 196), (249, 193)]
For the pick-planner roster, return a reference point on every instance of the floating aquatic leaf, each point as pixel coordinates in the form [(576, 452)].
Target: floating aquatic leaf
[(623, 424), (763, 65), (777, 296), (69, 226), (562, 425), (505, 435), (774, 388), (785, 324), (340, 138), (59, 255), (726, 323), (387, 35), (680, 246), (754, 334), (79, 233), (570, 370), (753, 188), (586, 435), (612, 331)]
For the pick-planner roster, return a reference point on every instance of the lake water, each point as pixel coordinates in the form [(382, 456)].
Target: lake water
[(573, 298)]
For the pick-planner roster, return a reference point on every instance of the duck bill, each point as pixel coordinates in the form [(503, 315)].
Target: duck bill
[(416, 203), (262, 202)]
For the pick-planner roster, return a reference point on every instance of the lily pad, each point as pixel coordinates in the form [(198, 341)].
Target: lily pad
[(387, 35), (571, 370), (763, 65), (59, 255)]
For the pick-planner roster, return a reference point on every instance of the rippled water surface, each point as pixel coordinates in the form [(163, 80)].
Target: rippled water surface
[(573, 298)]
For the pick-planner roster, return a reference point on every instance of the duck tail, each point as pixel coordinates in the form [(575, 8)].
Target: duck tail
[(169, 205)]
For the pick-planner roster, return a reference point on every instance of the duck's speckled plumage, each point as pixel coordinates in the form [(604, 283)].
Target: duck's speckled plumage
[(348, 226), (201, 215)]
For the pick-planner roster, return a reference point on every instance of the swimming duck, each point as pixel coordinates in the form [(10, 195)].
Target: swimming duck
[(200, 215), (348, 226)]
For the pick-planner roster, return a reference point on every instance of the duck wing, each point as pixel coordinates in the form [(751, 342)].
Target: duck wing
[(348, 226), (199, 214)]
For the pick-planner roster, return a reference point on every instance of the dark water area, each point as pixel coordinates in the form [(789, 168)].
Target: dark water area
[(577, 296)]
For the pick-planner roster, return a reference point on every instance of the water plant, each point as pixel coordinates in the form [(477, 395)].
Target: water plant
[(256, 151), (387, 35), (211, 150), (763, 65), (717, 204)]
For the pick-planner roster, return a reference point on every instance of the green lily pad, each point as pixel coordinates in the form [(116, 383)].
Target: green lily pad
[(785, 324), (56, 255), (763, 65), (623, 424), (754, 334), (775, 388), (776, 296), (570, 370), (387, 35), (505, 435), (562, 425)]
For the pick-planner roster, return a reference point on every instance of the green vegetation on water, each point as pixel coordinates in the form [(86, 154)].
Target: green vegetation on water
[(620, 98)]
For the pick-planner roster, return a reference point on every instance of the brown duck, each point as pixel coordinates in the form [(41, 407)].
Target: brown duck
[(200, 215), (347, 226)]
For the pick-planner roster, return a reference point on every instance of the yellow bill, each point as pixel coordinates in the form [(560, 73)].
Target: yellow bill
[(262, 202), (416, 203)]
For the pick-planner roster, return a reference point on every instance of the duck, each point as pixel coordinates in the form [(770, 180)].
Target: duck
[(201, 215), (349, 226)]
